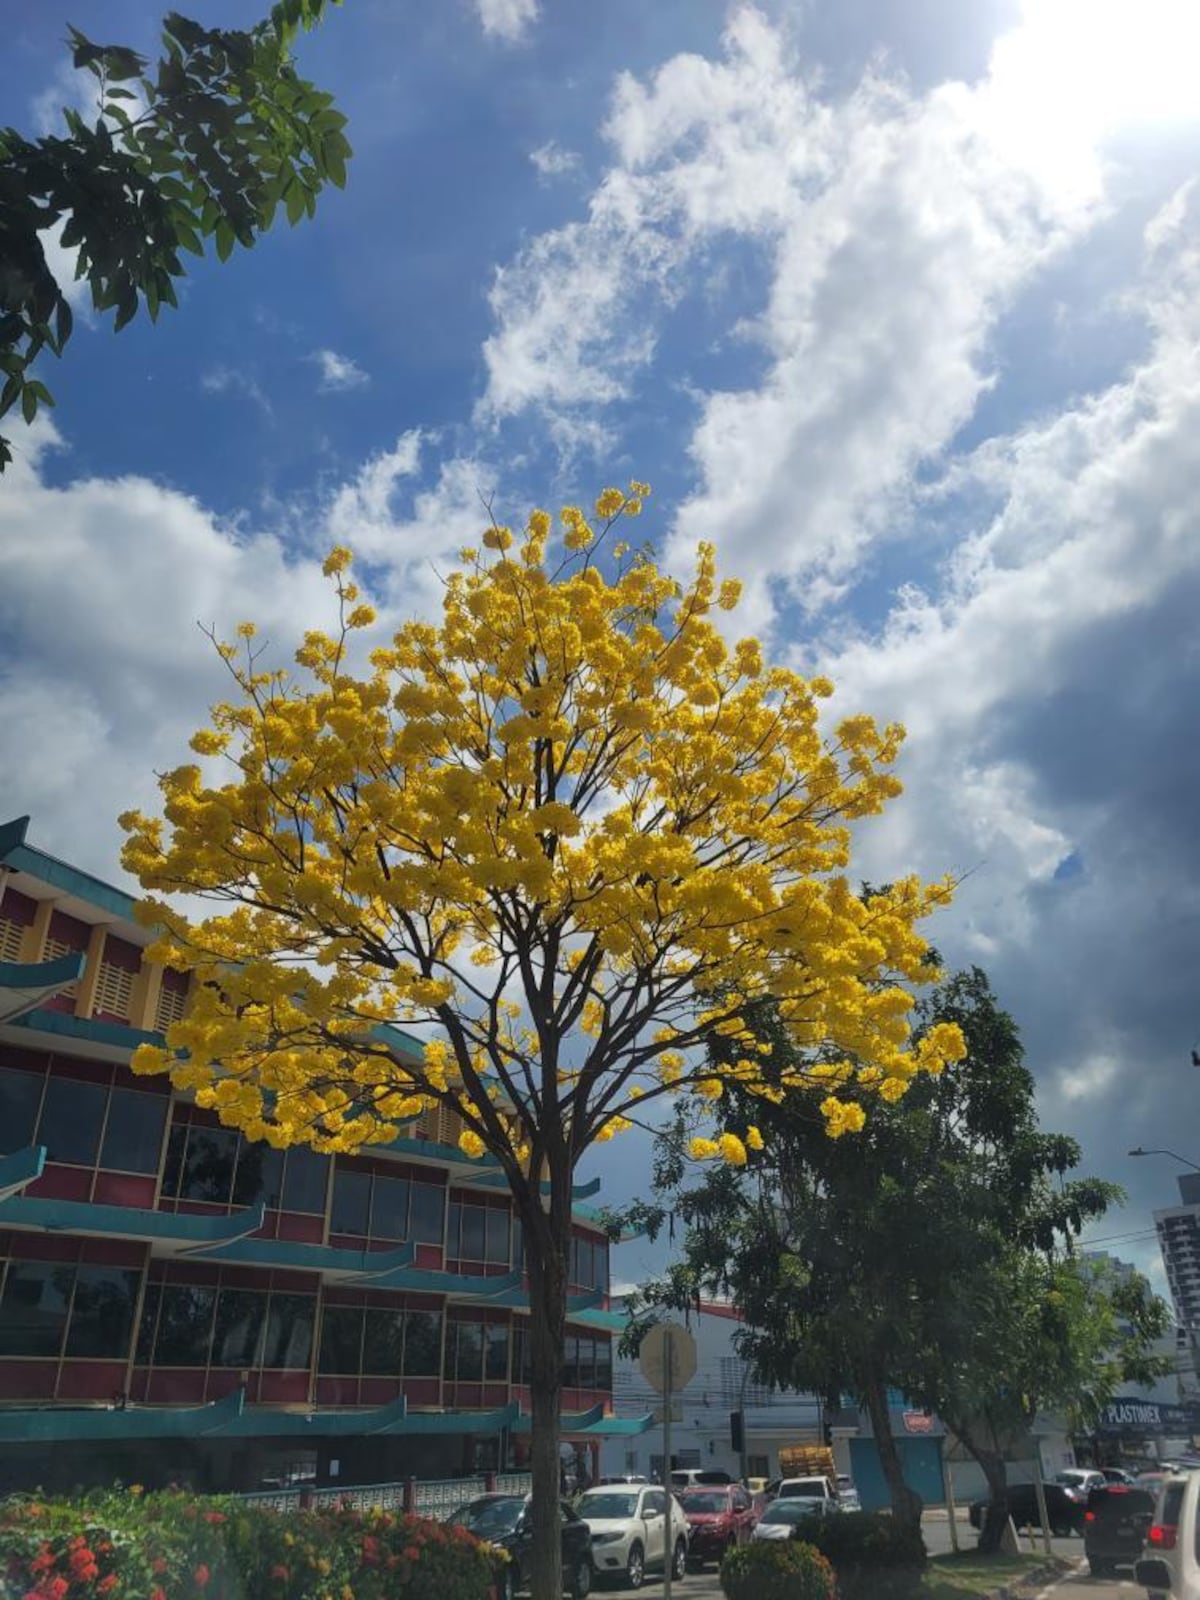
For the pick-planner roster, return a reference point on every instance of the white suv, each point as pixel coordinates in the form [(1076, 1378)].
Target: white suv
[(1170, 1567)]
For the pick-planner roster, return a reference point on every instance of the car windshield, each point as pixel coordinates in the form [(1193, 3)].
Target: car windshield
[(487, 1518), (786, 1511), (608, 1507), (705, 1501)]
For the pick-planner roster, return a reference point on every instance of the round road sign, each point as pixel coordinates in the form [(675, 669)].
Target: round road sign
[(653, 1357)]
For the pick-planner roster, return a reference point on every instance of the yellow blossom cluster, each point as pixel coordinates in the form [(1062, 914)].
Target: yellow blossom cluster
[(553, 825)]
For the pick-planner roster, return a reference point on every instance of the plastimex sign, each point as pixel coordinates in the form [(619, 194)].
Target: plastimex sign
[(1148, 1416)]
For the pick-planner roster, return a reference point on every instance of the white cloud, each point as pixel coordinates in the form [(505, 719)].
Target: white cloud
[(507, 19), (896, 228), (1048, 680), (235, 380), (339, 373), (104, 673), (552, 161)]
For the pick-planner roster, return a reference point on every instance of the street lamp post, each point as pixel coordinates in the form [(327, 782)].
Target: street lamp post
[(1173, 1155)]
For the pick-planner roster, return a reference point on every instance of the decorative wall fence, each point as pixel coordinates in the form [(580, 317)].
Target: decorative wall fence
[(433, 1498)]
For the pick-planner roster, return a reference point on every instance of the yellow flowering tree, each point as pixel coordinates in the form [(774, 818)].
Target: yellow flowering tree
[(568, 827)]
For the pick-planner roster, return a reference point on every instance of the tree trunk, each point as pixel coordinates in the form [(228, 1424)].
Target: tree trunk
[(995, 1517), (547, 1245), (906, 1502)]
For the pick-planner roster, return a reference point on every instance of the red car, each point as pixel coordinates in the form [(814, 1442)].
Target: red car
[(720, 1515)]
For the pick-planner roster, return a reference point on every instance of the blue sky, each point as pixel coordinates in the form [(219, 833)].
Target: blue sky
[(895, 300)]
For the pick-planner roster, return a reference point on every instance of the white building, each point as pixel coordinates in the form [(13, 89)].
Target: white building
[(1179, 1239), (700, 1437)]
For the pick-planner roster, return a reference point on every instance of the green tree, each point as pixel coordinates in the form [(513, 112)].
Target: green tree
[(204, 145), (884, 1260), (1048, 1333)]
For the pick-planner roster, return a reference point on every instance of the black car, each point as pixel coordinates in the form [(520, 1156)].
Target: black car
[(503, 1520), (1114, 1526), (1066, 1514)]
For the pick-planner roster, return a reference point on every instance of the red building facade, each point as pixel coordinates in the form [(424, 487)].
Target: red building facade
[(179, 1304)]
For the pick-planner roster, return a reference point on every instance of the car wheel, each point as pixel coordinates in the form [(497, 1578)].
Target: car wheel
[(1101, 1569), (680, 1564), (635, 1571), (581, 1580)]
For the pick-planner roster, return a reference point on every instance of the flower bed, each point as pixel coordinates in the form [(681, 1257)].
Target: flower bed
[(122, 1545)]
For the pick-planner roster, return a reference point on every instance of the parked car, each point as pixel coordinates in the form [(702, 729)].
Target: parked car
[(719, 1517), (847, 1494), (782, 1517), (1115, 1525), (1079, 1481), (503, 1520), (694, 1477), (1065, 1512), (1170, 1567), (629, 1525)]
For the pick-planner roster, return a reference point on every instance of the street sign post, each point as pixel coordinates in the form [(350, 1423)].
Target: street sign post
[(668, 1362)]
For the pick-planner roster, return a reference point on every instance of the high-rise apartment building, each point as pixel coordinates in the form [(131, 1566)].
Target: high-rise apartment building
[(1179, 1239)]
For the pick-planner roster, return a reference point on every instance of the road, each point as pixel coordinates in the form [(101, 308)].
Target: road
[(1077, 1585)]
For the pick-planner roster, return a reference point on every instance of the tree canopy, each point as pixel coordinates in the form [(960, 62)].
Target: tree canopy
[(204, 145), (934, 1256), (572, 830)]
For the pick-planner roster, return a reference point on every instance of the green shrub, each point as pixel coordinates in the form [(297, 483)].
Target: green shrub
[(121, 1545), (777, 1569), (874, 1556)]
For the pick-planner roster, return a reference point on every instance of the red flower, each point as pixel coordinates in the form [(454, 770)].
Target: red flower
[(107, 1585), (412, 1553), (158, 1566), (56, 1588), (158, 1592), (43, 1562), (201, 1575), (214, 1516), (280, 1572)]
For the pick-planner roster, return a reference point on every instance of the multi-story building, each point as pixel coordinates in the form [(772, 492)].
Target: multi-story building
[(701, 1437), (180, 1304), (1179, 1238)]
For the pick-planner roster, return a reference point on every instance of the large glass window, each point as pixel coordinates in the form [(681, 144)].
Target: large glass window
[(208, 1162), (383, 1344), (472, 1245), (427, 1213), (604, 1370), (72, 1112), (102, 1312), (422, 1344), (496, 1248), (305, 1178), (33, 1307), (496, 1355), (464, 1351), (185, 1321), (351, 1208), (259, 1175), (341, 1339), (570, 1369), (237, 1332), (148, 1326), (290, 1320), (389, 1208), (20, 1096), (133, 1132)]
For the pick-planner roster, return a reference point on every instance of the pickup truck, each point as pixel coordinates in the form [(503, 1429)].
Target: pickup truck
[(819, 1490)]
